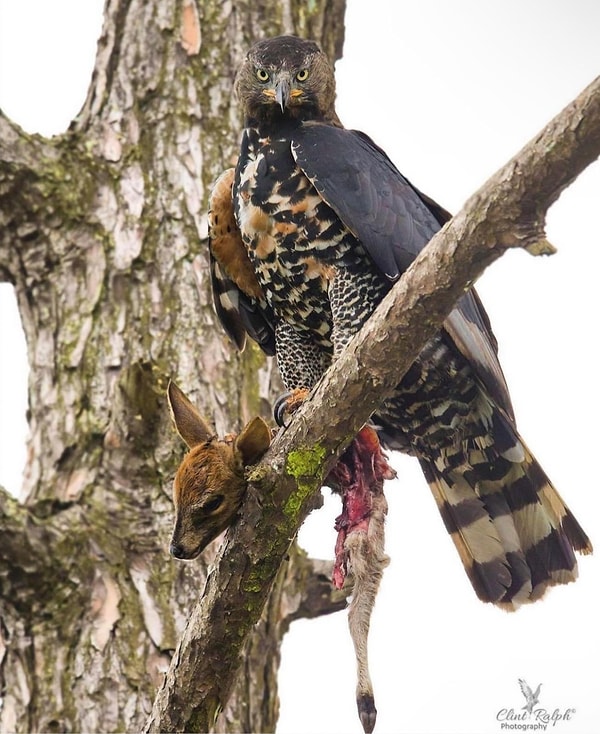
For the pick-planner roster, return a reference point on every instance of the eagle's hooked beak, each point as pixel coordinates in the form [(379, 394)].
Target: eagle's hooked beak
[(282, 92)]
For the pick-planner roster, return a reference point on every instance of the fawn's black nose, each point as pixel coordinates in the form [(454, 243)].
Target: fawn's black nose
[(176, 551)]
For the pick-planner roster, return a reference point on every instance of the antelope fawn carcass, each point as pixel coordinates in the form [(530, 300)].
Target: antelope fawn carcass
[(209, 487)]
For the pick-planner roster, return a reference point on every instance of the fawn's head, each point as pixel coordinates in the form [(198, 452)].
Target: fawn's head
[(209, 484)]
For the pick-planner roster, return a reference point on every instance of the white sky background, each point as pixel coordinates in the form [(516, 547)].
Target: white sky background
[(451, 90)]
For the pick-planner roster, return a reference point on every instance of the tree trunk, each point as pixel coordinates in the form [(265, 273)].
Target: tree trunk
[(103, 236)]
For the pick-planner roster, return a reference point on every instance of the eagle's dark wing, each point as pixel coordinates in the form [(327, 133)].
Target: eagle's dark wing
[(238, 298), (469, 328), (372, 198), (240, 313), (393, 221)]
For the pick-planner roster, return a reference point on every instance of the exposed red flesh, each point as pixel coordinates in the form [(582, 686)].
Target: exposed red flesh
[(358, 475)]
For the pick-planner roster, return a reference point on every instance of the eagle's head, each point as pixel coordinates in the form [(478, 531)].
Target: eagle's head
[(286, 77)]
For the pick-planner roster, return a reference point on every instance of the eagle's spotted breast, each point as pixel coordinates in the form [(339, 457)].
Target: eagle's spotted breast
[(295, 240)]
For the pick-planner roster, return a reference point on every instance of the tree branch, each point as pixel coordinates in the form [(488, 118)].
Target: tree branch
[(508, 211)]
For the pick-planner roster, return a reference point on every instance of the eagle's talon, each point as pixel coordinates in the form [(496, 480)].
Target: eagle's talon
[(288, 403), (281, 408)]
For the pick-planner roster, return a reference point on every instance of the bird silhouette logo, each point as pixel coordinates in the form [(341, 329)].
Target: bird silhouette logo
[(531, 697)]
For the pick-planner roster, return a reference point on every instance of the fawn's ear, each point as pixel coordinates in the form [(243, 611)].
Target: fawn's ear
[(253, 441), (190, 425)]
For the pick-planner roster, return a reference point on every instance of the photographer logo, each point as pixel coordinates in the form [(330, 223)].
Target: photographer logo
[(532, 716)]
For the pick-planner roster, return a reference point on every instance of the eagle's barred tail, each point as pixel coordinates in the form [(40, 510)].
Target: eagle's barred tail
[(513, 532)]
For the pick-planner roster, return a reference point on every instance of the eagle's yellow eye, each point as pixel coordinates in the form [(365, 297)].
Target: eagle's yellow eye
[(262, 75), (302, 75)]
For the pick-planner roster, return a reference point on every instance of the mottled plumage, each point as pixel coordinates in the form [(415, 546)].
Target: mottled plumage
[(326, 223)]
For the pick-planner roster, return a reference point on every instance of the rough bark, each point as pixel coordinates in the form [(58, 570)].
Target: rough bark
[(102, 235), (508, 211)]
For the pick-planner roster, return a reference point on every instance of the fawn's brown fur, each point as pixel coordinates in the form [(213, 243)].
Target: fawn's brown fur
[(209, 484)]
